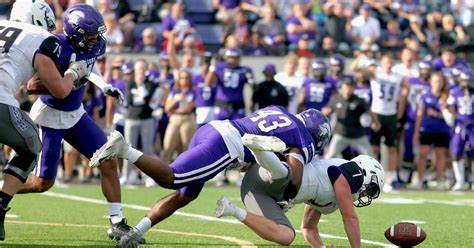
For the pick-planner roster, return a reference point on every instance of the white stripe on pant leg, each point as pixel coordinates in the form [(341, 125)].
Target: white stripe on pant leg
[(38, 164), (225, 164), (196, 171)]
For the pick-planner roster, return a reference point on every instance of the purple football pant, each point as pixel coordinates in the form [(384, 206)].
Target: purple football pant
[(408, 154), (206, 156), (458, 141), (85, 136)]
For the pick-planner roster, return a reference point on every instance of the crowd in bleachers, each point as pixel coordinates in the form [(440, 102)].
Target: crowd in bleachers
[(399, 43)]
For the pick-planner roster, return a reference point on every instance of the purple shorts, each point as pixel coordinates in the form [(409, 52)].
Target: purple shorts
[(206, 156), (86, 136)]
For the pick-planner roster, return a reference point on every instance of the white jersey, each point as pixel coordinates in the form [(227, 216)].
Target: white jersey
[(19, 43), (316, 187), (292, 84), (385, 92), (407, 72)]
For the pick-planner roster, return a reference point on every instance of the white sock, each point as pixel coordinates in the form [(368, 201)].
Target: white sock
[(394, 176), (239, 213), (458, 168), (115, 212), (143, 226), (133, 155)]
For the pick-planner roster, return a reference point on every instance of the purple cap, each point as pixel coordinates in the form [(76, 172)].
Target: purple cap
[(365, 7), (269, 68)]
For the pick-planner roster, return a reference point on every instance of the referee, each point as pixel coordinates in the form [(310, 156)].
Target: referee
[(348, 130)]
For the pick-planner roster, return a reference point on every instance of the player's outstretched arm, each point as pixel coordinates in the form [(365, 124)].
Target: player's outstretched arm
[(309, 226), (349, 216), (58, 86)]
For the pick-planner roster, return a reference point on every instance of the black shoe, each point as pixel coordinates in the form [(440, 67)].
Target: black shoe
[(119, 229), (3, 212)]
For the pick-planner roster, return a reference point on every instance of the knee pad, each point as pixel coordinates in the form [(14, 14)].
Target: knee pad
[(21, 166)]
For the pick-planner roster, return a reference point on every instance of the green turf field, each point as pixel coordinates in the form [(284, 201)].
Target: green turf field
[(76, 216)]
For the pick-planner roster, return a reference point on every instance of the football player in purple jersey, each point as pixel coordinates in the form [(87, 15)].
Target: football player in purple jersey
[(219, 145), (66, 118), (316, 91), (230, 78), (459, 112)]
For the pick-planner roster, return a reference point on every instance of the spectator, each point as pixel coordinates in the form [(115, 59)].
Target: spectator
[(430, 35), (348, 130), (180, 107), (269, 92), (304, 47), (364, 26), (451, 33), (337, 26), (299, 25), (255, 47), (407, 11), (381, 10), (239, 28), (432, 130), (365, 57), (447, 63), (148, 43), (291, 81), (271, 31), (316, 91), (329, 46), (464, 11), (225, 10), (124, 15), (138, 117), (113, 35), (392, 38), (176, 21)]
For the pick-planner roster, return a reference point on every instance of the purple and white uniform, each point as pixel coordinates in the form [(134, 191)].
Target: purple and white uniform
[(438, 65), (418, 87), (217, 146), (230, 87), (66, 118), (317, 93), (463, 101), (205, 99)]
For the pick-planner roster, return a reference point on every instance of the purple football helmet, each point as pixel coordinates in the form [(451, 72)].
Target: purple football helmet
[(336, 63), (83, 27), (318, 126), (319, 69)]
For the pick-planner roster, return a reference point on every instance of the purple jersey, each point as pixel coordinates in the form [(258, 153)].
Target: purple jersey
[(364, 92), (189, 97), (276, 121), (438, 65), (74, 100), (418, 87), (317, 94), (231, 81), (334, 80), (89, 106), (295, 37), (205, 95), (463, 101), (432, 124)]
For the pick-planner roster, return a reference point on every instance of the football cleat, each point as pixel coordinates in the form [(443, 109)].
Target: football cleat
[(119, 229), (458, 187), (131, 240), (263, 143), (3, 212), (224, 208), (114, 147)]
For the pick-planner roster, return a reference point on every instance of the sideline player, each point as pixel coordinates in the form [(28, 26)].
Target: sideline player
[(327, 185), (27, 49), (66, 118), (217, 146)]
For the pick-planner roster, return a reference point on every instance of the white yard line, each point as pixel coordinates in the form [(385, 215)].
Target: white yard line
[(242, 243), (196, 216), (403, 200)]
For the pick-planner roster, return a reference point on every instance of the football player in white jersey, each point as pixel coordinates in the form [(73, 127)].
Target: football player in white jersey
[(327, 185), (25, 50), (386, 87)]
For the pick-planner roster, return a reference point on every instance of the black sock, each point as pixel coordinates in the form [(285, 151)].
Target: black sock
[(5, 199)]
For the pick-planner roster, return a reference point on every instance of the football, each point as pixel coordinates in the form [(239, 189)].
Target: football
[(36, 87), (405, 234)]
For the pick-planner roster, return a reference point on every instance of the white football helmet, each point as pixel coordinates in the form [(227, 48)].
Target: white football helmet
[(374, 179), (36, 12)]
